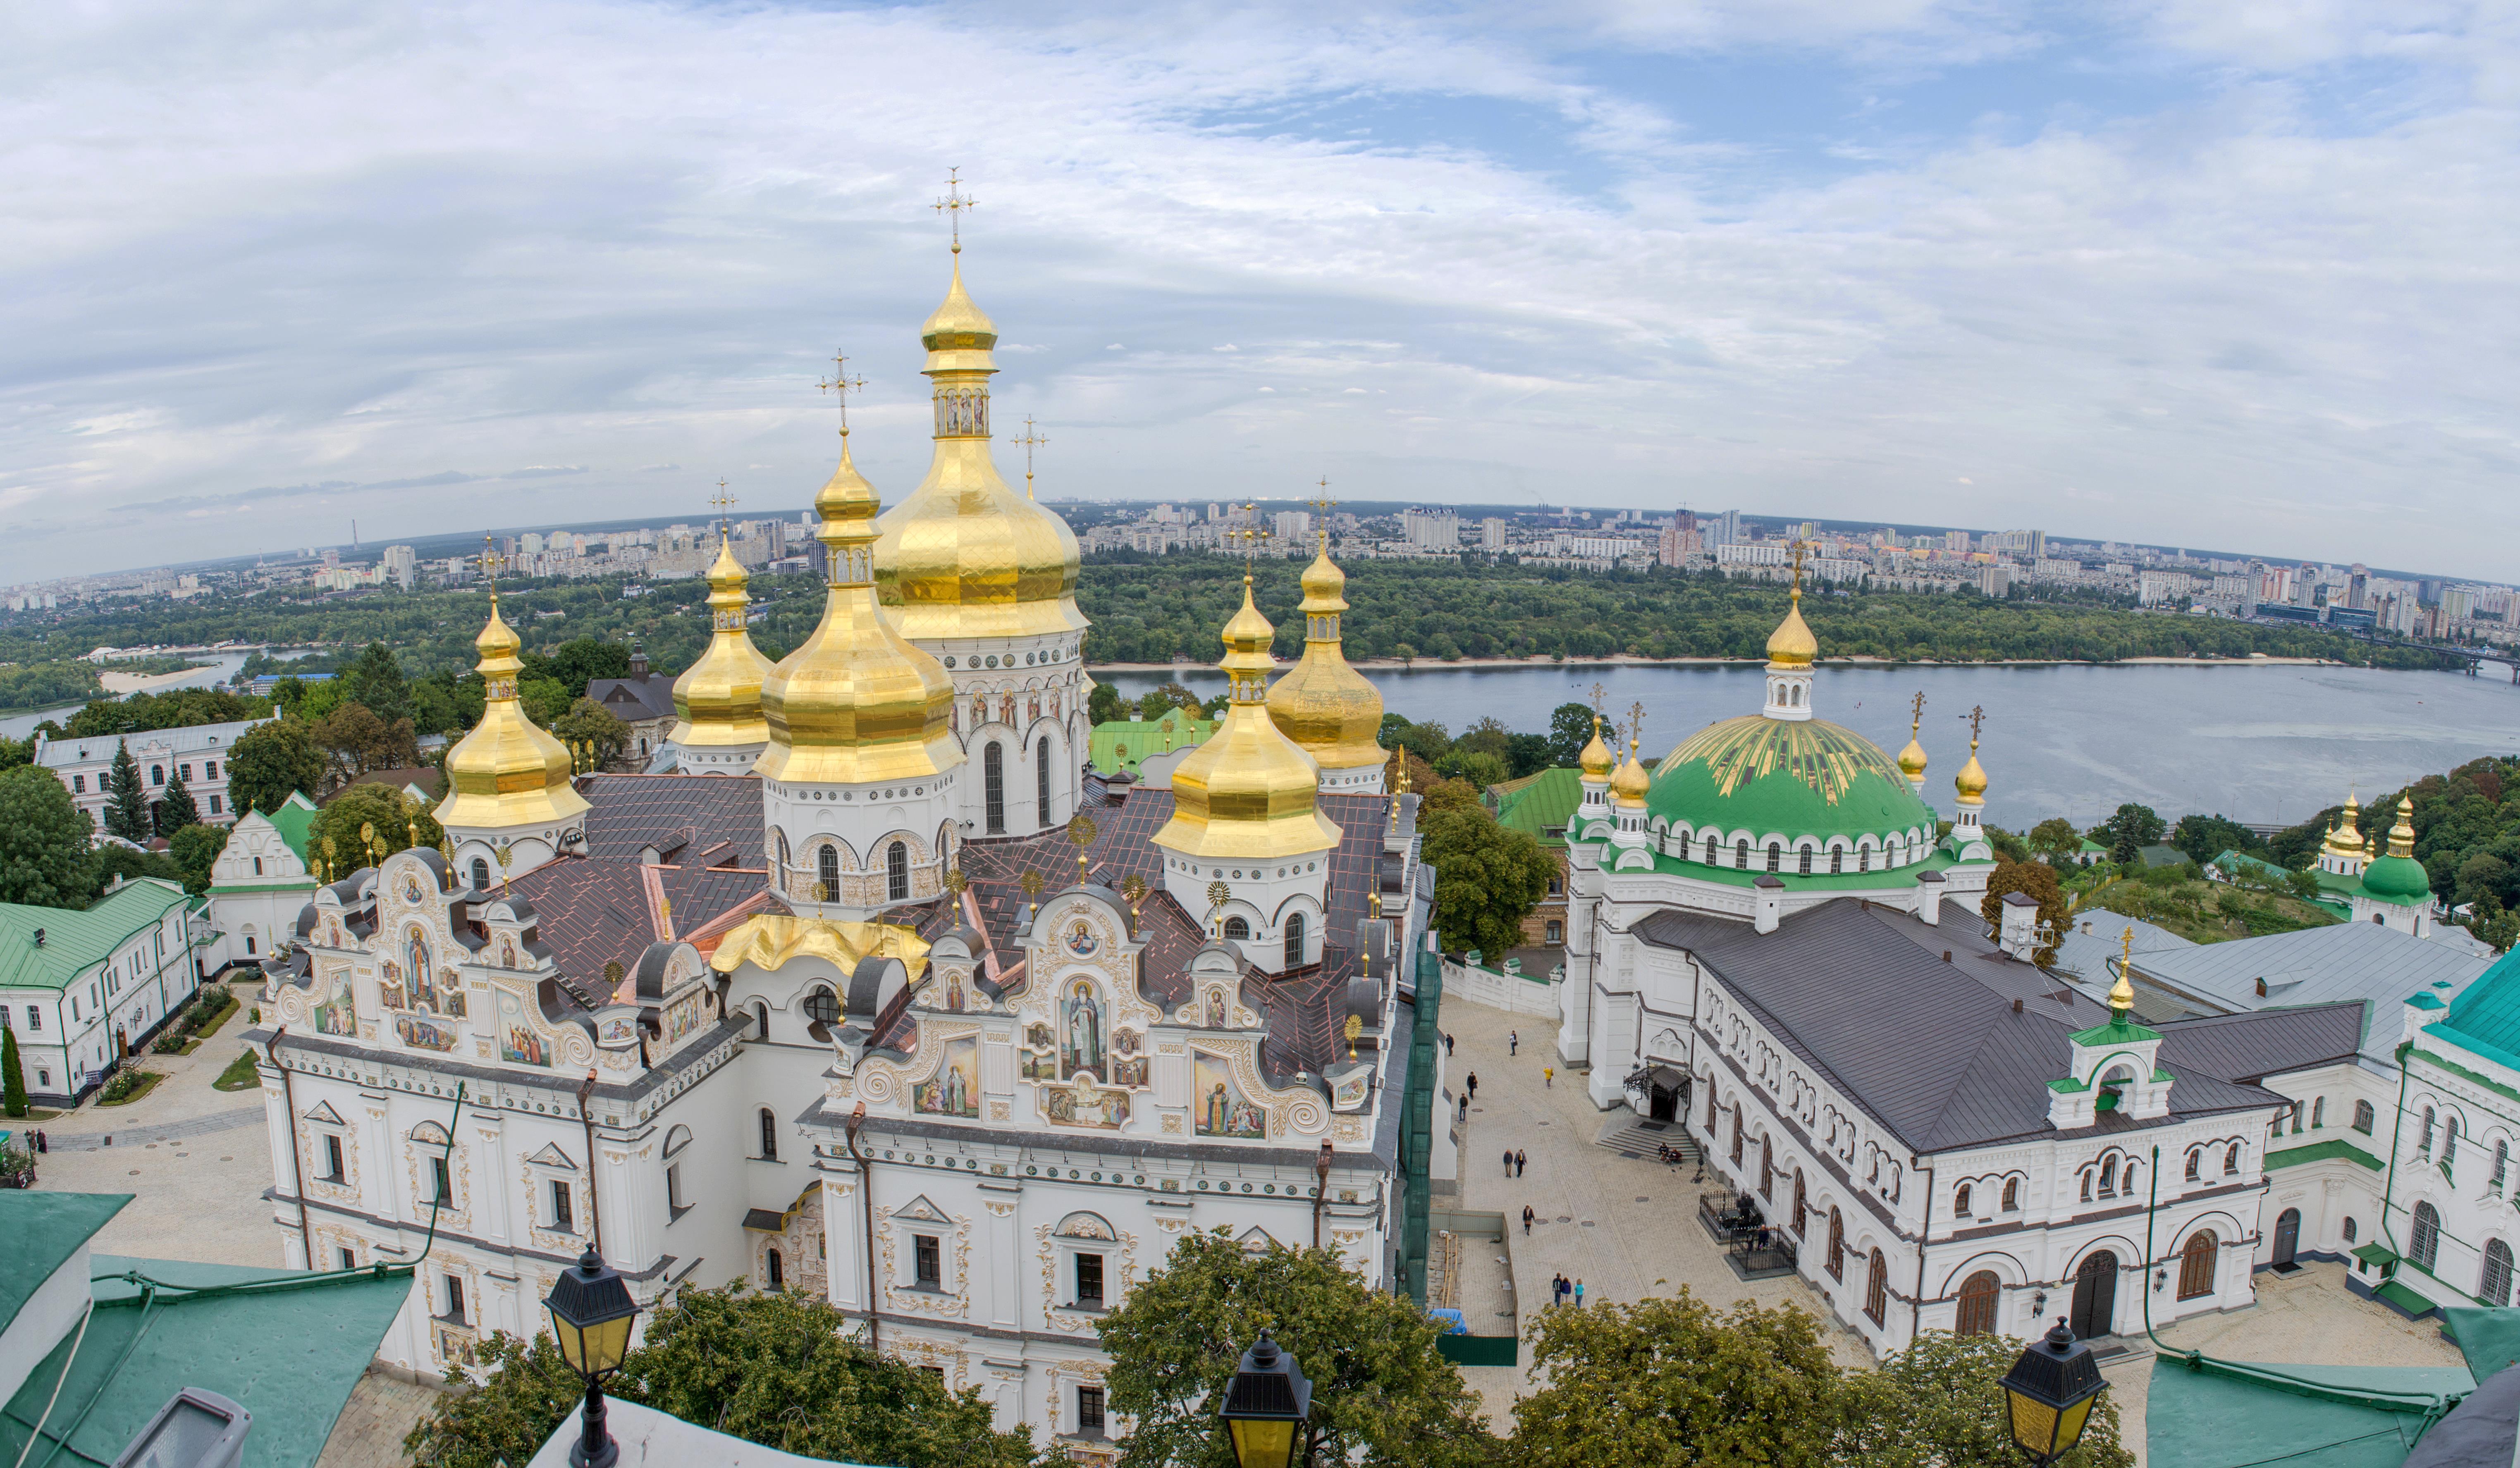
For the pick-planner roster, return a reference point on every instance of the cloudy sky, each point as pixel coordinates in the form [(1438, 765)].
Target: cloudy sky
[(2235, 273)]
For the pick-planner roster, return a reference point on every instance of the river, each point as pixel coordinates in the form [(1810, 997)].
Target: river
[(2270, 743), (209, 674)]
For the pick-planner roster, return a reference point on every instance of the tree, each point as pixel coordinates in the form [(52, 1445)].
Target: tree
[(195, 850), (269, 761), (2008, 846), (1153, 703), (376, 681), (114, 862), (780, 1370), (126, 805), (1476, 765), (2139, 825), (383, 808), (356, 741), (175, 808), (2056, 839), (1427, 741), (1670, 1381), (1488, 877), (2205, 837), (13, 1075), (1105, 705), (1387, 736), (1381, 1395), (1938, 1404), (2039, 880), (1570, 729), (588, 720)]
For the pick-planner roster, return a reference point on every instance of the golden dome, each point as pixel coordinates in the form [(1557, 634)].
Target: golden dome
[(1970, 783), (1323, 704), (717, 701), (508, 772), (1911, 760), (2402, 836), (2344, 839), (964, 556), (1630, 786), (1791, 645), (856, 702), (1248, 792), (1596, 759)]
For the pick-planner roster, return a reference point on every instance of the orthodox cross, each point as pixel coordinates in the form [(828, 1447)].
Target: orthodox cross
[(491, 560), (1917, 710), (1636, 725), (1798, 567), (1133, 888), (954, 204), (1599, 694), (1251, 535), (718, 502), (1978, 715), (1081, 832), (1322, 505), (840, 382), (1030, 440)]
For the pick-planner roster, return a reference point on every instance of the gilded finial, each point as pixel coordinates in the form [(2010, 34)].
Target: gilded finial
[(1321, 505), (1917, 712), (2122, 993), (1218, 894), (954, 204), (491, 561), (1976, 716), (1030, 440), (1133, 888), (503, 853), (1354, 1027), (840, 384), (956, 882)]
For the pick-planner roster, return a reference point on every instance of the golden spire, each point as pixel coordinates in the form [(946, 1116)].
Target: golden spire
[(1326, 708), (1911, 760), (2122, 993), (1970, 783), (1031, 440), (2344, 839), (1248, 791), (954, 204), (508, 772), (1791, 645)]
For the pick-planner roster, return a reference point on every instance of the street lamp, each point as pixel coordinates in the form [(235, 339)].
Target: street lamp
[(1265, 1408), (590, 1311), (2048, 1392)]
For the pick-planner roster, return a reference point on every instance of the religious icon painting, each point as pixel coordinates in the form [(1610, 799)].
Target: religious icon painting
[(424, 1034), (1130, 1072), (450, 993), (1125, 1040), (1080, 1037), (1037, 1035), (955, 1089), (1223, 1110), (339, 1014), (618, 1031), (1081, 942), (389, 991), (1216, 1008), (518, 1045), (423, 992)]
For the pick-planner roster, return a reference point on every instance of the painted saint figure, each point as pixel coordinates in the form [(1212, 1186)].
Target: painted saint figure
[(1082, 1032)]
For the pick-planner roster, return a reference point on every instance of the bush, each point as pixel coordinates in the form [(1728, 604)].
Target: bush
[(127, 1083)]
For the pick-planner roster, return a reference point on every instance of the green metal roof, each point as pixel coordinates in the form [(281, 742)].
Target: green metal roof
[(2376, 1253), (75, 941), (2396, 879), (1541, 804), (1784, 778), (2486, 1016), (288, 1352), (38, 1233), (2333, 1149), (1122, 743), (295, 817)]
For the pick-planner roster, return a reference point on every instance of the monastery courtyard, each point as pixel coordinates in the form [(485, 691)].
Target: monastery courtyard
[(1628, 1229)]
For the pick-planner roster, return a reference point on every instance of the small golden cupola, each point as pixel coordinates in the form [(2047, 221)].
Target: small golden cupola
[(1791, 652), (719, 727), (1247, 842), (1969, 799), (1326, 708), (1911, 760), (511, 803)]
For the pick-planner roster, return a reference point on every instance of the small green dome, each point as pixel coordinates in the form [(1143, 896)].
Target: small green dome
[(1785, 777), (2396, 879)]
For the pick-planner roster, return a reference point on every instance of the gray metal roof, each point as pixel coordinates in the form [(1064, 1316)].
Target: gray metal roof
[(2089, 948), (2347, 961), (1934, 1051)]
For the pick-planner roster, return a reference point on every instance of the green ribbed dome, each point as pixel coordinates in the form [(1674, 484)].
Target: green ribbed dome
[(1785, 777), (2396, 879)]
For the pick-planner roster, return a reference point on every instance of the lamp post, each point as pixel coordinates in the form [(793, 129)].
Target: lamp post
[(591, 1311), (1265, 1407), (2048, 1392)]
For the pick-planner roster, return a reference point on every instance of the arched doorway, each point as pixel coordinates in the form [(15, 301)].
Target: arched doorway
[(2287, 1237), (2095, 1296), (1978, 1295), (1666, 1096)]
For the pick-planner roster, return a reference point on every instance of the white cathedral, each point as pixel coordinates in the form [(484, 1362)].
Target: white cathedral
[(880, 994)]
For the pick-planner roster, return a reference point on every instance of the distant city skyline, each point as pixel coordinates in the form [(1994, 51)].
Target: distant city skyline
[(2200, 274)]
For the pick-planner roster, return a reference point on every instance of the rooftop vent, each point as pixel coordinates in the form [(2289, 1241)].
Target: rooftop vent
[(39, 937)]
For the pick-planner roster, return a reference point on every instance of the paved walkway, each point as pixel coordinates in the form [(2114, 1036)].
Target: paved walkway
[(196, 1160)]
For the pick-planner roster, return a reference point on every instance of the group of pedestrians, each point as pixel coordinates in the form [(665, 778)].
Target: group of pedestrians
[(1514, 1161), (1561, 1288)]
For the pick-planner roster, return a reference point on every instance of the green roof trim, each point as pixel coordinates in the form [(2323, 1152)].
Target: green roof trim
[(1818, 881), (2442, 1032), (2376, 1253), (39, 1231), (1785, 777), (2115, 1032), (1122, 743), (2426, 1002), (291, 884), (76, 941), (2404, 1298), (2068, 1086), (2331, 1151)]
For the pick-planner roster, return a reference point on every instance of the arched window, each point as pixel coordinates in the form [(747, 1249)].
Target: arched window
[(481, 874), (1978, 1296), (1736, 1134), (1864, 859), (1803, 857), (2502, 1163), (1710, 849), (761, 1019), (1040, 776), (2495, 1287), (2450, 1143), (2424, 1143), (896, 871), (1741, 854), (1960, 1200), (2196, 1264), (1767, 1169), (1294, 939), (769, 1135), (785, 861), (1877, 1289), (1836, 1244), (1802, 1209), (2108, 1176), (2195, 1165), (1837, 860), (2362, 1117), (822, 1012), (2423, 1241), (2087, 1184), (2011, 1195), (2231, 1161), (2318, 1112), (1710, 1110), (1235, 927), (993, 785), (771, 1271), (1776, 855), (827, 872), (2347, 1229)]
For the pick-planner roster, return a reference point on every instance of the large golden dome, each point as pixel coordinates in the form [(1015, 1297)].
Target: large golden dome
[(964, 556), (508, 772), (856, 702), (1968, 787), (1791, 645), (717, 701), (1321, 703), (1248, 792)]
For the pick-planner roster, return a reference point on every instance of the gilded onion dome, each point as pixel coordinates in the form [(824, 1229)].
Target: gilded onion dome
[(856, 702), (1249, 791), (1629, 786), (1321, 703), (1911, 760), (717, 701), (1791, 645), (508, 772), (1596, 759), (2344, 839), (964, 556), (1969, 785)]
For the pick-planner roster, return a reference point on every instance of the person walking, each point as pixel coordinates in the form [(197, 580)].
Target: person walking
[(1526, 1221), (1512, 1041), (1509, 1162), (1519, 1160), (1558, 1290), (1466, 1108), (1448, 1045), (1579, 1292), (1474, 1086), (1548, 1077)]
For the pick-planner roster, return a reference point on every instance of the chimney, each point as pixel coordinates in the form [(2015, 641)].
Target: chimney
[(1929, 898), (2019, 935), (1767, 901), (638, 661)]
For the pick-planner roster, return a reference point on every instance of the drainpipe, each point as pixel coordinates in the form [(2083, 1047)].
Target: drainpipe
[(296, 1169), (1924, 1236), (1320, 1188), (2397, 1135), (865, 1197), (594, 1187)]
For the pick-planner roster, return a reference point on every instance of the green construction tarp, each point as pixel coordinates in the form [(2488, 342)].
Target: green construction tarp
[(2204, 1419)]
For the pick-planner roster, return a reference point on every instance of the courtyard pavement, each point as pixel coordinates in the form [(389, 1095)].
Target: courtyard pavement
[(1626, 1228)]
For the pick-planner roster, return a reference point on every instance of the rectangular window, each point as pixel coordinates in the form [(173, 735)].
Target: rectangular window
[(562, 1209), (1088, 1280), (249, 945), (257, 866), (186, 772), (674, 1187), (215, 807), (445, 1185), (928, 1260), (211, 769), (454, 1297), (334, 1171), (43, 1078), (350, 1260), (1089, 1411), (79, 784), (34, 1019)]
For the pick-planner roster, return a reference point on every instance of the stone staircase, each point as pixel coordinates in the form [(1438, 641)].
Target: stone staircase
[(1631, 1136)]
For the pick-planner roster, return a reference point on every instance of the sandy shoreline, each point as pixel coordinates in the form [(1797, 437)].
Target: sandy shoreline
[(1622, 660)]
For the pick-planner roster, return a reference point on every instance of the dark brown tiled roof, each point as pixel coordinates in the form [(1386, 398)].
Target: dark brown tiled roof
[(683, 815), (591, 913)]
